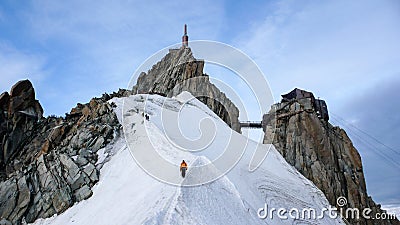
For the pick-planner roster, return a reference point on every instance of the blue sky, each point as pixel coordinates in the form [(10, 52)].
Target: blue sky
[(346, 52)]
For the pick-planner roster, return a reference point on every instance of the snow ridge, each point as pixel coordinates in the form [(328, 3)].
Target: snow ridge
[(126, 194)]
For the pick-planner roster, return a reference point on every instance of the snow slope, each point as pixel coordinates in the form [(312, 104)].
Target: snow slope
[(147, 188)]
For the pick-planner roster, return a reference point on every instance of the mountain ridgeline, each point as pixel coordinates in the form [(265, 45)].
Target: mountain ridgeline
[(48, 164)]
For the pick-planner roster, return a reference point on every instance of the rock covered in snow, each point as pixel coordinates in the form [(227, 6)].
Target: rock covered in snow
[(234, 198), (179, 71)]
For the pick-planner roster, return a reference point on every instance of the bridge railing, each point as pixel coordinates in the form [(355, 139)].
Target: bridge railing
[(250, 124)]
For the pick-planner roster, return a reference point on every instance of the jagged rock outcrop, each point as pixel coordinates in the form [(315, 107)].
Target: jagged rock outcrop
[(321, 152), (179, 71), (19, 115), (54, 162)]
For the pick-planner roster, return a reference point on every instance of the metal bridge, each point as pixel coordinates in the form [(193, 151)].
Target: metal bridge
[(251, 124)]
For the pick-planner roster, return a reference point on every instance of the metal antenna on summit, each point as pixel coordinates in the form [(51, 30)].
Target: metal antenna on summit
[(185, 37)]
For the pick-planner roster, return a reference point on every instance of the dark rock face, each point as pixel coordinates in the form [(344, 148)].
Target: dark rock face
[(22, 99), (179, 71), (322, 153), (48, 164), (19, 115)]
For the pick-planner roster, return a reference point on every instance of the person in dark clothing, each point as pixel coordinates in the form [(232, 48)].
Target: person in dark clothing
[(183, 168)]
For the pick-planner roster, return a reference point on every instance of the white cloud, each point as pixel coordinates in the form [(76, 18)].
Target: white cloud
[(16, 65), (317, 46)]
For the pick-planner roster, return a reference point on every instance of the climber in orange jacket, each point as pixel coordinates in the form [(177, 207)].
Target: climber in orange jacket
[(183, 168)]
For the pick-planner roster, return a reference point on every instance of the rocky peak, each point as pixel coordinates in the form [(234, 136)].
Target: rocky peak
[(49, 164), (20, 112), (179, 71), (22, 100), (173, 68), (298, 127)]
